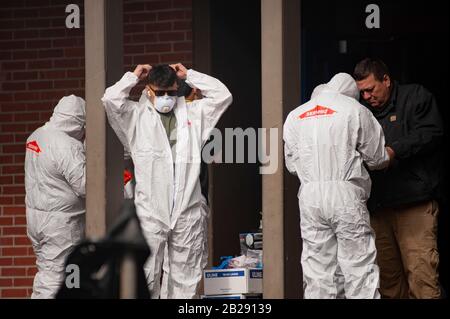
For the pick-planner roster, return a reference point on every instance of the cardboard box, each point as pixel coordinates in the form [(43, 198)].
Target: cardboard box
[(233, 281), (239, 296)]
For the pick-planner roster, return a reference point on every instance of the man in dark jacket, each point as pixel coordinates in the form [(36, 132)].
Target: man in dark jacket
[(403, 197)]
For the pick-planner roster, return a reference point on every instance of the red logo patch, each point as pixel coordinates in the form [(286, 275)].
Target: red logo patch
[(33, 146), (127, 176), (317, 111)]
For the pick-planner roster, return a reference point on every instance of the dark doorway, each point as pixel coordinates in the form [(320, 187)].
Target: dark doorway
[(235, 59), (412, 40)]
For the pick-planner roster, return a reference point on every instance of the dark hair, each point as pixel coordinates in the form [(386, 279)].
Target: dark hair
[(162, 75), (184, 89), (370, 66)]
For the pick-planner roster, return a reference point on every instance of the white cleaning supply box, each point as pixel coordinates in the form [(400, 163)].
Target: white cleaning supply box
[(233, 281)]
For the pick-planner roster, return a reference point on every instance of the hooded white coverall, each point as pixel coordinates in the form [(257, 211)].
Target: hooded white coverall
[(55, 179), (168, 197), (328, 142)]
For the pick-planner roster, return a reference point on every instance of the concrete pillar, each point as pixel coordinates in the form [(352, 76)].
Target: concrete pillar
[(272, 117), (104, 66)]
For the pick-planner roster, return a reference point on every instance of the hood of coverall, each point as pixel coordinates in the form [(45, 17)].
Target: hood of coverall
[(69, 116), (344, 84)]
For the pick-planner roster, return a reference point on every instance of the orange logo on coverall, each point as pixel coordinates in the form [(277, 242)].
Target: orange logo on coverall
[(33, 146), (317, 111)]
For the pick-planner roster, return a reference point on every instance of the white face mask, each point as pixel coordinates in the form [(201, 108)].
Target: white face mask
[(165, 104)]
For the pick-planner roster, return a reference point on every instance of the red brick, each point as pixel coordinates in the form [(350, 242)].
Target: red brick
[(25, 261), (14, 230), (32, 271), (7, 66), (75, 73), (52, 33), (6, 159), (133, 28), (28, 96), (133, 49), (21, 241), (6, 201), (45, 116), (15, 251), (171, 36), (13, 107), (158, 5), (173, 58), (19, 179), (6, 282), (25, 13), (52, 95), (12, 149), (13, 86), (158, 26), (47, 64), (55, 53), (13, 271), (19, 200), (6, 221), (67, 63), (39, 44), (19, 159), (34, 126), (14, 293), (20, 221), (5, 55), (146, 59), (66, 43), (37, 23), (24, 55), (182, 46), (182, 25), (6, 180), (23, 282), (144, 38), (6, 261), (171, 15), (74, 52), (39, 106), (53, 74), (5, 138), (26, 34), (12, 45), (12, 24), (25, 75), (26, 117), (6, 241), (136, 6), (5, 118), (182, 3), (12, 190), (159, 47), (66, 84), (43, 85), (53, 11), (6, 97), (13, 128), (14, 210)]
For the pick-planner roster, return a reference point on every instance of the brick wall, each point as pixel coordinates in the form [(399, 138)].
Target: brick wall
[(41, 61)]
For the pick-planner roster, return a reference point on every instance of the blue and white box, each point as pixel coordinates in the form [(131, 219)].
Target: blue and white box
[(233, 281)]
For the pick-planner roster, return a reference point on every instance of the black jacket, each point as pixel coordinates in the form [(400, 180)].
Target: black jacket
[(413, 129)]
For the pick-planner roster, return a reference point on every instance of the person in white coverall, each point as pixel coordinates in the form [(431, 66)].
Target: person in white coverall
[(55, 177), (167, 166), (329, 142)]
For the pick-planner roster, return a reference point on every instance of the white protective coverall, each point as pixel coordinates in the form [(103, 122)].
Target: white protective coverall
[(168, 197), (328, 140), (55, 179)]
